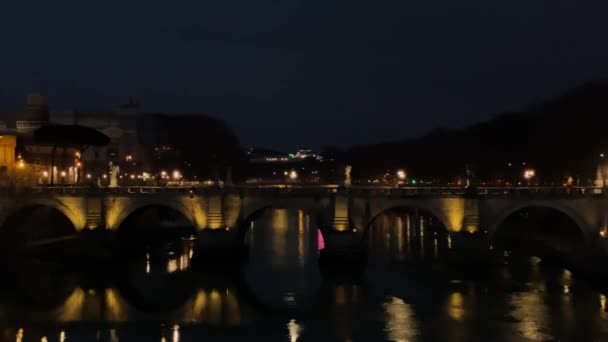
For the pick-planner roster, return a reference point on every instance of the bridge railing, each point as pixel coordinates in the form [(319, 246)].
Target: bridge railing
[(316, 190), (539, 191)]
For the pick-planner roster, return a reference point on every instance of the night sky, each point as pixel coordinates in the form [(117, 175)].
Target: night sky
[(305, 72)]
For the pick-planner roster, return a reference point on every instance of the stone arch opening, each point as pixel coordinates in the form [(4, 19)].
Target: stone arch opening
[(278, 235), (37, 226), (403, 232), (249, 218), (159, 230), (540, 231), (265, 211)]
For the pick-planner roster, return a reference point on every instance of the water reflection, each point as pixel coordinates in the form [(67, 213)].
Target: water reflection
[(294, 330), (402, 235), (531, 314), (401, 323), (455, 306), (283, 247), (279, 293)]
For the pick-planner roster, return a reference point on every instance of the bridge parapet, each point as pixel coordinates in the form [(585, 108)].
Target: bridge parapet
[(348, 211)]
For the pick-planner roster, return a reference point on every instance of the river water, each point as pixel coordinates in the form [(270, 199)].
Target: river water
[(409, 292)]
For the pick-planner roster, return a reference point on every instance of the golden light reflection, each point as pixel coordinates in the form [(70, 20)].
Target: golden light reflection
[(175, 337), (116, 307), (232, 308), (113, 335), (215, 307), (408, 234), (455, 306), (200, 304), (401, 324), (603, 302), (421, 236), (294, 330), (19, 335), (531, 313), (62, 336), (172, 266), (279, 226), (301, 237), (44, 339), (72, 307), (400, 238), (147, 263)]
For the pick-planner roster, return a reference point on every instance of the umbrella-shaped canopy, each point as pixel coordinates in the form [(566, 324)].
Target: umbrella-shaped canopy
[(70, 135), (80, 137)]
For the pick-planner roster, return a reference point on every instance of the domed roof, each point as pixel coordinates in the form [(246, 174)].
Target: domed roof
[(36, 108)]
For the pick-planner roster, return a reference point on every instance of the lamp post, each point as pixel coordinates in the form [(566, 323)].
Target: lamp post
[(293, 175), (401, 176), (528, 175)]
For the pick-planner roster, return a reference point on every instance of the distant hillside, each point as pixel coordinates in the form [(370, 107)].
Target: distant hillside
[(560, 137)]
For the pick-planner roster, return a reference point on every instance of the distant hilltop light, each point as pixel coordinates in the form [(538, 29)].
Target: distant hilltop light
[(266, 156)]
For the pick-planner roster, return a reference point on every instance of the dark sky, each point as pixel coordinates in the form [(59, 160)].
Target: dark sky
[(304, 72)]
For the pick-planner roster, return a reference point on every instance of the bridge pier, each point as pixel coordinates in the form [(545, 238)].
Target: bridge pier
[(95, 212)]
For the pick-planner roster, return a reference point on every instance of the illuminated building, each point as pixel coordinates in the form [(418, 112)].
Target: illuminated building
[(121, 126), (8, 144)]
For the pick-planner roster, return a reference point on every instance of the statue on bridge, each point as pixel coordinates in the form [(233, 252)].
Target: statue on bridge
[(114, 171), (347, 180)]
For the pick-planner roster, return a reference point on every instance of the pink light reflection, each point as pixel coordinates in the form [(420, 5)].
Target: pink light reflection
[(320, 240)]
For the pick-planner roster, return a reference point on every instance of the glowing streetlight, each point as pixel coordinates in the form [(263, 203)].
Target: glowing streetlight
[(529, 174), (176, 175), (293, 175), (401, 174), (45, 174), (88, 176), (21, 164), (63, 174)]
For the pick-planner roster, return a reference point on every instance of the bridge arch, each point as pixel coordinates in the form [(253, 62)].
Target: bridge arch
[(252, 211), (117, 217), (449, 223), (582, 225), (39, 223), (76, 218)]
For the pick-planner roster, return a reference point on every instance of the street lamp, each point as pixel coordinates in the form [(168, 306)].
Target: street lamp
[(293, 175), (529, 174), (401, 174)]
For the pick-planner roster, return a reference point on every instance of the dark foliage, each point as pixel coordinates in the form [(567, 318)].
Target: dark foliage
[(560, 138), (200, 145), (70, 135)]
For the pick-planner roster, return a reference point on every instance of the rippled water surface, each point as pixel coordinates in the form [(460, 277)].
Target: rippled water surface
[(408, 293)]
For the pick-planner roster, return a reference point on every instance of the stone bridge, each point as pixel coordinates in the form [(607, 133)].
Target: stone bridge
[(342, 214)]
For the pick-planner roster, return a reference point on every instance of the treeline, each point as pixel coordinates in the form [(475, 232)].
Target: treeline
[(559, 138)]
